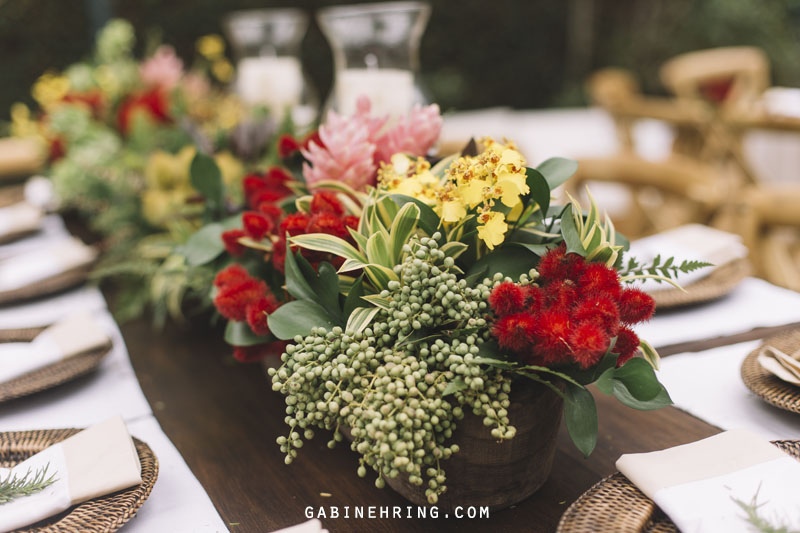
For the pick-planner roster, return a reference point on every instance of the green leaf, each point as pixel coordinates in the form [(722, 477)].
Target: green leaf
[(605, 383), (353, 299), (454, 386), (206, 177), (296, 283), (511, 261), (428, 219), (660, 400), (380, 275), (538, 249), (540, 190), (557, 170), (403, 227), (499, 363), (297, 318), (378, 250), (580, 415), (326, 286), (240, 334), (360, 318), (570, 233), (638, 377), (378, 301), (204, 245), (322, 242), (454, 249)]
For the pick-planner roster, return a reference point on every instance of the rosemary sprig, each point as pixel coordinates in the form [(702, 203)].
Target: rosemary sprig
[(758, 522), (13, 486)]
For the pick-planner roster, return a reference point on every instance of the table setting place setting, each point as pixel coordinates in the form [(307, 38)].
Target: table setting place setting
[(71, 410)]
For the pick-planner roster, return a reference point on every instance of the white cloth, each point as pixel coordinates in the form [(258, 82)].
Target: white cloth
[(754, 303), (74, 335), (19, 218), (39, 264), (95, 462), (690, 242), (709, 385), (697, 484), (312, 526), (52, 229)]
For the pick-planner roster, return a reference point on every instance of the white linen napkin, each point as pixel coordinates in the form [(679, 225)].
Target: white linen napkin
[(74, 335), (312, 526), (697, 484), (782, 365), (95, 462), (20, 218), (36, 265), (689, 242)]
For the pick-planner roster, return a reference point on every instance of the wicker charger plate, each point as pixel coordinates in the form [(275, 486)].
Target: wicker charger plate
[(615, 504), (769, 387), (716, 285), (104, 514), (53, 284), (51, 375)]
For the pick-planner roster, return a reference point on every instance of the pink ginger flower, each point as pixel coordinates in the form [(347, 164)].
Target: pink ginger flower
[(414, 134), (163, 69)]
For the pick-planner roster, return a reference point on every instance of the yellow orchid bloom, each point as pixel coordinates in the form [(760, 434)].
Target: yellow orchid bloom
[(472, 192), (453, 211), (493, 228), (210, 46)]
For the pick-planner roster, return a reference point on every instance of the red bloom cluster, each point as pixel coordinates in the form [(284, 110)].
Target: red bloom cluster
[(289, 145), (572, 315), (326, 216), (93, 100), (154, 102), (241, 297)]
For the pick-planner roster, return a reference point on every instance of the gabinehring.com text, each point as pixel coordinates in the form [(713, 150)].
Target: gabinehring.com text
[(383, 511)]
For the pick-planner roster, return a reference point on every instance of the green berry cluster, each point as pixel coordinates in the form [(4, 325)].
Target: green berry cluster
[(399, 386)]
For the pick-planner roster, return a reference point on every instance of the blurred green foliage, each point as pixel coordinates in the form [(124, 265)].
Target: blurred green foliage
[(524, 54)]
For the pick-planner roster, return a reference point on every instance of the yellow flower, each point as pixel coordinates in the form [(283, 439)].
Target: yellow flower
[(493, 228), (21, 123), (232, 170), (472, 191), (210, 46), (222, 70), (511, 187), (50, 89), (453, 211)]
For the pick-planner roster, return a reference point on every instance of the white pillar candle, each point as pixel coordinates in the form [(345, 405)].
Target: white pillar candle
[(391, 91), (276, 82)]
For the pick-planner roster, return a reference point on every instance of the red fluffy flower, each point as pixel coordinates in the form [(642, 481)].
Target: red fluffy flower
[(635, 306), (599, 309), (279, 255), (589, 342), (351, 221), (626, 345), (294, 224), (507, 298), (256, 225), (278, 176), (559, 265), (233, 298), (229, 274), (57, 149), (534, 299), (561, 295), (251, 354), (272, 211), (551, 332), (265, 195), (327, 223), (154, 103), (257, 312), (231, 240), (514, 332), (599, 279), (326, 202), (287, 146), (252, 183)]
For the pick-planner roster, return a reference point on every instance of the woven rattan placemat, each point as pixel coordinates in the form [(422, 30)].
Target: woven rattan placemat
[(615, 504), (769, 387), (105, 514)]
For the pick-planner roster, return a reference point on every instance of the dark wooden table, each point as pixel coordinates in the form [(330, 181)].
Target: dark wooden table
[(224, 419)]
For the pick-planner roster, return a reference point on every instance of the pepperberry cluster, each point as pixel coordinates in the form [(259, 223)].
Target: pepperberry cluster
[(570, 315)]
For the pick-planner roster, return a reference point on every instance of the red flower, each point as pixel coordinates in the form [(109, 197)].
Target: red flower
[(561, 295), (351, 221), (153, 102), (257, 312), (326, 202), (234, 297), (600, 310), (256, 225), (514, 332), (327, 223), (91, 99), (57, 149), (294, 224), (287, 146), (313, 137), (231, 240), (626, 345), (551, 332), (599, 279), (507, 298), (251, 354), (229, 274), (635, 306), (558, 265), (279, 255), (272, 211), (589, 342), (278, 176), (265, 195), (252, 183), (534, 298)]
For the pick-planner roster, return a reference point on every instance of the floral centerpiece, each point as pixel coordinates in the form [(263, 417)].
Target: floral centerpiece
[(440, 296)]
